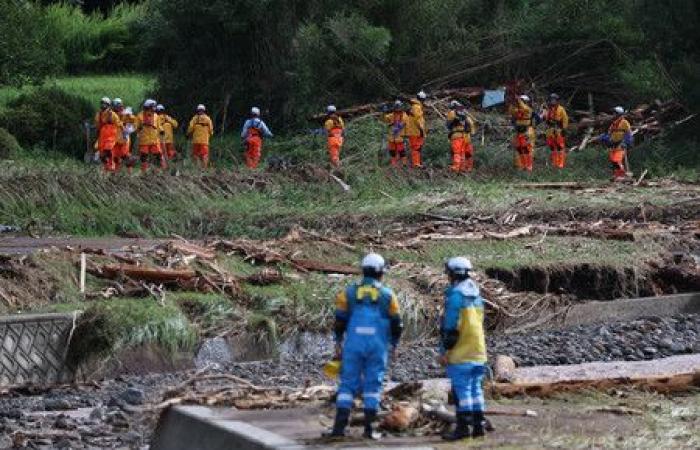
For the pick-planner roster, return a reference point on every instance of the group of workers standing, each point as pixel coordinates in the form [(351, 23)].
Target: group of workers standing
[(368, 328), (406, 134), (155, 131)]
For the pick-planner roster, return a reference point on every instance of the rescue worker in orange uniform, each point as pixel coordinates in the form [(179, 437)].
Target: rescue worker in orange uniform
[(557, 122), (415, 129), (107, 124), (335, 131), (460, 127), (396, 121), (618, 139), (200, 130), (168, 126), (148, 132), (524, 120), (253, 132), (122, 149)]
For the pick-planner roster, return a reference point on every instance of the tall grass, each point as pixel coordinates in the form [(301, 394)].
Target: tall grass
[(91, 42)]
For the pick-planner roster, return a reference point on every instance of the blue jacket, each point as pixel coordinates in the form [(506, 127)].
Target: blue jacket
[(256, 123)]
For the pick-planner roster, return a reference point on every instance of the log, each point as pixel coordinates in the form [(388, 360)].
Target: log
[(151, 274), (662, 383), (191, 249)]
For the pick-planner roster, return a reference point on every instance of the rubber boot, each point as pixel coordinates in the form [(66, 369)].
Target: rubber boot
[(370, 417), (461, 431), (478, 430), (342, 416)]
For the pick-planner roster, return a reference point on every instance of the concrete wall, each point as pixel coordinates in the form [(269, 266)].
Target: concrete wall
[(33, 349)]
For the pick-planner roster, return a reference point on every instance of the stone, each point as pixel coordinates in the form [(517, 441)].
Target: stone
[(504, 369), (57, 404), (649, 351), (133, 396), (97, 414)]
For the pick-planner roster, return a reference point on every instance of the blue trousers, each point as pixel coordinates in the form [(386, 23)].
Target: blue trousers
[(362, 371), (466, 379)]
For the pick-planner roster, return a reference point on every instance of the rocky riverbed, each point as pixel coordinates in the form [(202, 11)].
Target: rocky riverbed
[(114, 413)]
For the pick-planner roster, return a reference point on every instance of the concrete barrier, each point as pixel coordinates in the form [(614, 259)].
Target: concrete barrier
[(203, 428), (33, 348), (189, 427), (632, 308)]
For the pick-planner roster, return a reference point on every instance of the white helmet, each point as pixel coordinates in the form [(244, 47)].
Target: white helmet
[(160, 107), (117, 102), (375, 262), (459, 265), (255, 111), (619, 110), (105, 100), (128, 110), (422, 95), (524, 98), (201, 107), (455, 104), (331, 109), (150, 103)]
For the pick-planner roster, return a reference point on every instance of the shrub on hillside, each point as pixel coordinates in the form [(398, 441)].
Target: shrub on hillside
[(28, 49), (8, 144), (51, 118)]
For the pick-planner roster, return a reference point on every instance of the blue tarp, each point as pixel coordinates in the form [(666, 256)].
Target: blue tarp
[(492, 98)]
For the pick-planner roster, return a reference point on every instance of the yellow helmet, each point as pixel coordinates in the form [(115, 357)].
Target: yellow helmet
[(332, 369)]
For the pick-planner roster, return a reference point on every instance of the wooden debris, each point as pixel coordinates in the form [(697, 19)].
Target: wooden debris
[(318, 266), (152, 274), (187, 248), (401, 418), (619, 410), (265, 277), (662, 384)]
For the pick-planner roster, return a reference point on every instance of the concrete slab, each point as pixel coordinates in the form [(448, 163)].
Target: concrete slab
[(188, 427)]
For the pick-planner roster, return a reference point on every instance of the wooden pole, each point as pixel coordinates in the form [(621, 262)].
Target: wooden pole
[(83, 264)]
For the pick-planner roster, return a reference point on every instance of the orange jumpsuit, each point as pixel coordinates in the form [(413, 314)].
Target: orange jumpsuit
[(122, 149), (619, 137), (148, 130), (460, 132), (557, 122), (201, 129), (396, 122), (168, 125), (107, 123), (416, 132), (334, 126), (524, 139)]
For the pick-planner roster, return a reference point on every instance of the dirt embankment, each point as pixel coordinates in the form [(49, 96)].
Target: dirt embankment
[(601, 282)]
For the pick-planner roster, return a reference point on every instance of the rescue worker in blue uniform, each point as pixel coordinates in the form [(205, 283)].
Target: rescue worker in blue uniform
[(367, 328), (463, 348)]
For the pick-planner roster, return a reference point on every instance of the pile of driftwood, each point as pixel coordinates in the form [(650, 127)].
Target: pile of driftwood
[(182, 265)]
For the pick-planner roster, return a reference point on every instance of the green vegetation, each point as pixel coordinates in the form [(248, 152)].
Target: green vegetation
[(50, 118), (8, 144), (97, 43)]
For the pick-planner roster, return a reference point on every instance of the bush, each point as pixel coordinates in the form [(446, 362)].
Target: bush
[(91, 42), (51, 118), (28, 50), (8, 144)]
